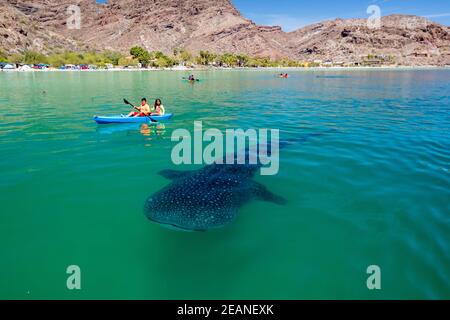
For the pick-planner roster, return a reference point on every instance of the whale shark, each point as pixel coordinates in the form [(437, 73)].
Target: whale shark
[(208, 198)]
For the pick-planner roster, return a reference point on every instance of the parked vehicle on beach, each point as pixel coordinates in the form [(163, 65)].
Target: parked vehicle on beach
[(25, 67), (9, 66), (69, 67), (41, 66)]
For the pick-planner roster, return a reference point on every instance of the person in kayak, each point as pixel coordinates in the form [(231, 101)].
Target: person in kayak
[(158, 108), (142, 111)]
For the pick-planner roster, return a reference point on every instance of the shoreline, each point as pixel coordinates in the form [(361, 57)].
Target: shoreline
[(203, 69)]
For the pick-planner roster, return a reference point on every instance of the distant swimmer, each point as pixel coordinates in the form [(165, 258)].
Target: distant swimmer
[(191, 78)]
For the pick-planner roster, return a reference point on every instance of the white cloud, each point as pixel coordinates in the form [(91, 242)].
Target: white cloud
[(438, 15)]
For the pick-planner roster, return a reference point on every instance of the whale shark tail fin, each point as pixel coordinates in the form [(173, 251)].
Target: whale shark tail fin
[(264, 194)]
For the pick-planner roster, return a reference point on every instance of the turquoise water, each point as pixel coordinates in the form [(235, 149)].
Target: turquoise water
[(374, 190)]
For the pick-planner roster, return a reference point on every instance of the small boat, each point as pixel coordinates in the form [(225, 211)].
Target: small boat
[(125, 119), (189, 80)]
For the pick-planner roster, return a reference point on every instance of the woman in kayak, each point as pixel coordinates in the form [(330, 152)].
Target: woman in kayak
[(143, 110), (158, 108)]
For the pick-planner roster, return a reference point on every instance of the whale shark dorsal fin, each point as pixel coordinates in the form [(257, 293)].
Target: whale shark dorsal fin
[(264, 194), (173, 174)]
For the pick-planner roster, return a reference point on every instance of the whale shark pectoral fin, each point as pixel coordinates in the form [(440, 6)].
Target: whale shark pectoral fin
[(173, 174), (264, 194)]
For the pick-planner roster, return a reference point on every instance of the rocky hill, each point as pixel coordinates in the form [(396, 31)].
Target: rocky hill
[(214, 25), (19, 31), (162, 25), (410, 39)]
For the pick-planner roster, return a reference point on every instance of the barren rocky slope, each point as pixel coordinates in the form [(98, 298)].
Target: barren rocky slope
[(19, 31), (214, 25), (411, 39), (157, 25)]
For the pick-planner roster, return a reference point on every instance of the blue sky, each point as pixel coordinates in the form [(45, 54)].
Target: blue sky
[(292, 14)]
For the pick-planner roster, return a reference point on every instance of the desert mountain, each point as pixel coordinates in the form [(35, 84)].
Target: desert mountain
[(214, 25), (162, 25), (411, 39), (19, 31)]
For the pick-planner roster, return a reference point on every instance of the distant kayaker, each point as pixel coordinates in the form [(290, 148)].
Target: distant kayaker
[(142, 111), (158, 108), (191, 78)]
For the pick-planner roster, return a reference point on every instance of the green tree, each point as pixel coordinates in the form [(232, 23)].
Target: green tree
[(163, 61), (158, 54), (113, 56), (136, 52), (206, 58), (56, 60), (285, 62), (142, 55), (242, 60), (265, 62), (228, 59), (3, 57), (185, 57), (32, 57), (127, 61), (71, 57), (16, 58)]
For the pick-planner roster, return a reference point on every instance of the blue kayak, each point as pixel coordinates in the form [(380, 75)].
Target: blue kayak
[(125, 119)]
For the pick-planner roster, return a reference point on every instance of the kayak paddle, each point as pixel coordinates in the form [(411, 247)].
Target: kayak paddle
[(129, 103)]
